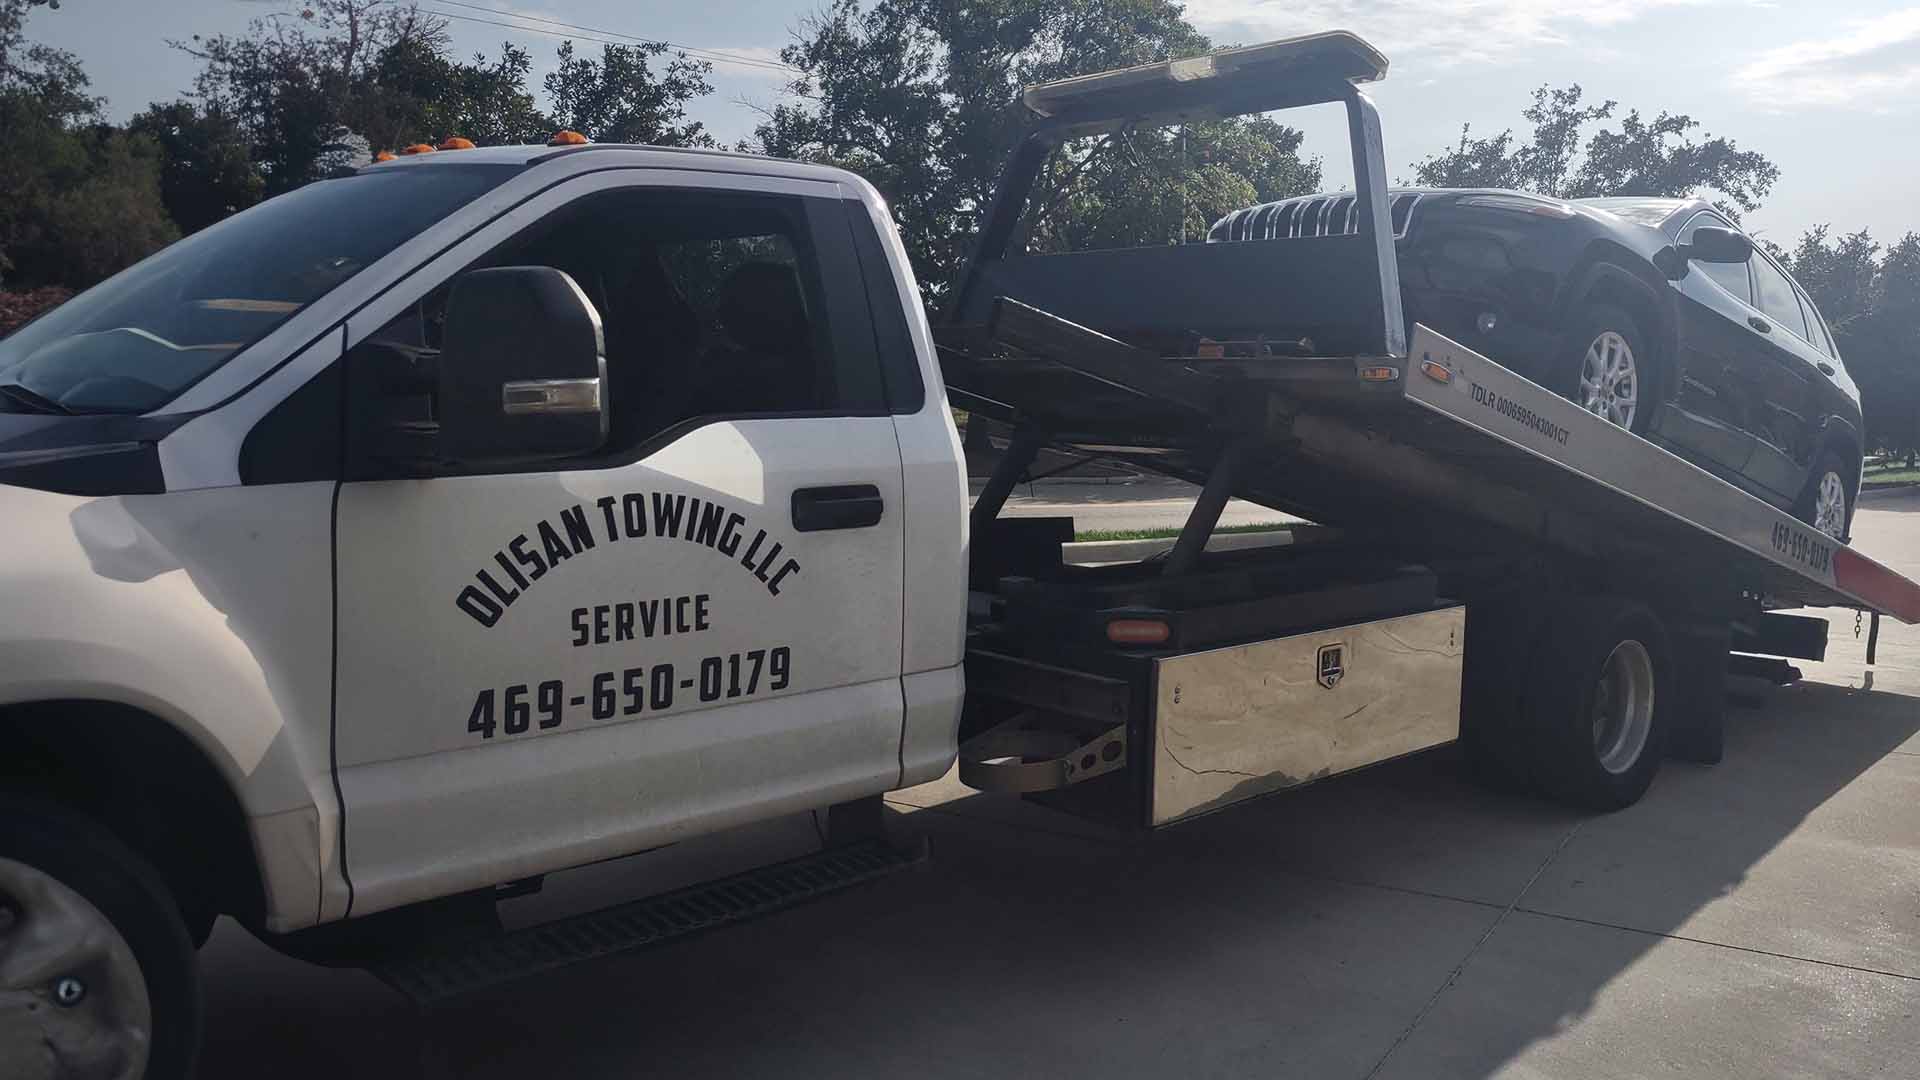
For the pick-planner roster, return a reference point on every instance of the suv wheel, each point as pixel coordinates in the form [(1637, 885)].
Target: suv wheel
[(1611, 367), (97, 974), (1827, 502)]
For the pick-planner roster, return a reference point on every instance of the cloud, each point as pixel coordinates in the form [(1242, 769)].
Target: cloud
[(1872, 62), (1442, 33)]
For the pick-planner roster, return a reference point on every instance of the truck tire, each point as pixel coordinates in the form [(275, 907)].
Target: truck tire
[(97, 973), (1598, 691)]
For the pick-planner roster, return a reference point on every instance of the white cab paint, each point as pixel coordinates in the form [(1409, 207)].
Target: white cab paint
[(209, 610)]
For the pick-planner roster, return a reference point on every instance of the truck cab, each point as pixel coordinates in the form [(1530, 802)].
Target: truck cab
[(476, 515)]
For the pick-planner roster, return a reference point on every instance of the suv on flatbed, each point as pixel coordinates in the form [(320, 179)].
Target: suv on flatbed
[(1657, 314)]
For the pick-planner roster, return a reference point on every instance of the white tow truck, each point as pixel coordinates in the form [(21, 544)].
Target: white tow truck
[(489, 513)]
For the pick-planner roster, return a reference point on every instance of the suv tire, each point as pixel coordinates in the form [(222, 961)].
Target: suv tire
[(1609, 369)]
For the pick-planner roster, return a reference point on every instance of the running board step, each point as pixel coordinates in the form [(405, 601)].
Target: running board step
[(433, 976)]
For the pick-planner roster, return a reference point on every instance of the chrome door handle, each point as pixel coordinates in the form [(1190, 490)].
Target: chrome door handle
[(1759, 324)]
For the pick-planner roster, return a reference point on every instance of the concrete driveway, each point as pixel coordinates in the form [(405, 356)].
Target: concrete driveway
[(1756, 919)]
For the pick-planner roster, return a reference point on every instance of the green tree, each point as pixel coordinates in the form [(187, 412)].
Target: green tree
[(206, 167), (295, 79), (416, 92), (918, 96), (78, 199), (619, 98), (1640, 157), (1871, 301)]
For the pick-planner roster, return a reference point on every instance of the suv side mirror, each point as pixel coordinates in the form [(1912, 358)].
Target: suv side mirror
[(1716, 245), (523, 368)]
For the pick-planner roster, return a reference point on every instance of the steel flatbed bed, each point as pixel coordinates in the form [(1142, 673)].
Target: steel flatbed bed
[(1491, 563), (1444, 444)]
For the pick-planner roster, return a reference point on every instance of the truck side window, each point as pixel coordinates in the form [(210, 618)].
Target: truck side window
[(713, 305)]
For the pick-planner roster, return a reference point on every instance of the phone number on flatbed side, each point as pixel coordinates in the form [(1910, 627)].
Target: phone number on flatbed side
[(524, 707)]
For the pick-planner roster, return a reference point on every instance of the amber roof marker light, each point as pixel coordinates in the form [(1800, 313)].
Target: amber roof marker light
[(417, 148), (455, 142), (568, 138)]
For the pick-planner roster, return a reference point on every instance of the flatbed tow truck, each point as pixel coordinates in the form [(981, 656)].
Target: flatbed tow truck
[(246, 670)]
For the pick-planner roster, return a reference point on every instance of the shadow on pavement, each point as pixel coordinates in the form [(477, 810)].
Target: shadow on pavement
[(1313, 934)]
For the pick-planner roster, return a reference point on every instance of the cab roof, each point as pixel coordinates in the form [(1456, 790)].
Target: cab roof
[(530, 155)]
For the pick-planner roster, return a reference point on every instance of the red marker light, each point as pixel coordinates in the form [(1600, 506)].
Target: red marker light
[(1137, 631)]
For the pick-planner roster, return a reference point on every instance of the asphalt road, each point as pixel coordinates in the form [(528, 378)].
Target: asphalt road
[(1758, 918)]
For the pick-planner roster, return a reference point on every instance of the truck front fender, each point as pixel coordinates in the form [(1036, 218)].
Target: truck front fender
[(209, 611)]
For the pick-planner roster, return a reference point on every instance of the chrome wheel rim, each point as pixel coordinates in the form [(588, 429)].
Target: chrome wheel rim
[(1830, 505), (1610, 380), (1623, 707), (73, 1002)]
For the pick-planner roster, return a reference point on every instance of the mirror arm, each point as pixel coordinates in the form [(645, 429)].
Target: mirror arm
[(1673, 260)]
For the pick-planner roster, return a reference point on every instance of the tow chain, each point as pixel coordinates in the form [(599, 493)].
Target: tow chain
[(1857, 616)]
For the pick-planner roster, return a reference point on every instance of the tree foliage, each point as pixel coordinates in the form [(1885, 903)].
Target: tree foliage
[(206, 171), (79, 199), (1639, 157), (1871, 301), (917, 96), (618, 98), (320, 86)]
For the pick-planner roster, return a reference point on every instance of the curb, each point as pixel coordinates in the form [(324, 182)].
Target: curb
[(1087, 552), (1888, 485)]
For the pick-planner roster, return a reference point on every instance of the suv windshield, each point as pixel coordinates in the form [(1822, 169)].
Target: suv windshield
[(133, 342)]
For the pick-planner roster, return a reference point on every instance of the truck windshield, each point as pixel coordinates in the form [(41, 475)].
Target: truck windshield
[(135, 341)]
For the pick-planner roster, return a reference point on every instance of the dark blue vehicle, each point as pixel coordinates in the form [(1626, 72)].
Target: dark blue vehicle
[(1655, 313)]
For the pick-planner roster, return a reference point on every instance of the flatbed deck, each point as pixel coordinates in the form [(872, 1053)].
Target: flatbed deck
[(1444, 449)]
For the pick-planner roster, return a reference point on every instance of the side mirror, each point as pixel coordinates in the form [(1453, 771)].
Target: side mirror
[(523, 368), (1716, 245)]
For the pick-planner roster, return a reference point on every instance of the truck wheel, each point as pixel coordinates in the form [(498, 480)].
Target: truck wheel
[(1612, 368), (97, 974), (1827, 502), (1596, 704)]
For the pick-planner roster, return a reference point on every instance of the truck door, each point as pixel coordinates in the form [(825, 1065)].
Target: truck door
[(539, 666)]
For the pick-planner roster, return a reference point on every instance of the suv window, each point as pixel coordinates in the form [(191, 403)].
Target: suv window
[(1730, 276), (713, 304), (1816, 330), (1777, 297)]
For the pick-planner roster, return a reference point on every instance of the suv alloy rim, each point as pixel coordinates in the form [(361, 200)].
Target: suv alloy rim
[(1623, 707), (1610, 380), (72, 999), (1830, 505)]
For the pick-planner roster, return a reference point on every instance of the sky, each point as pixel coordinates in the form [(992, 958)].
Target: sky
[(1829, 91)]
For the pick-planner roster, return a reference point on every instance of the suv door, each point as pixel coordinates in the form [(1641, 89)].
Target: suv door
[(1712, 404), (1779, 367), (540, 666)]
